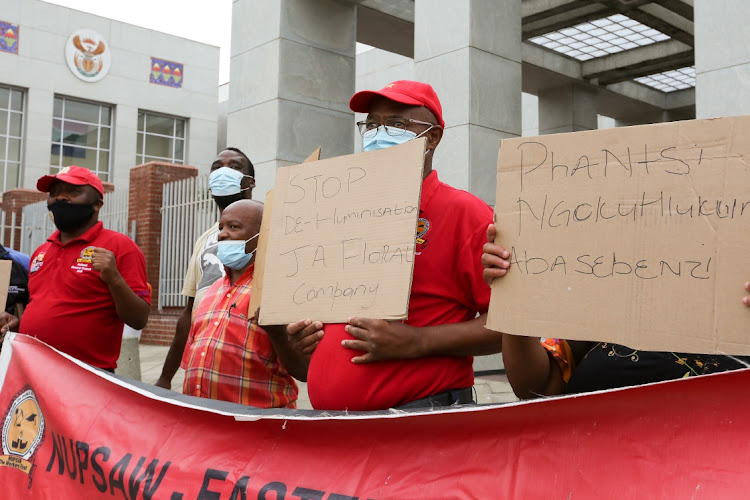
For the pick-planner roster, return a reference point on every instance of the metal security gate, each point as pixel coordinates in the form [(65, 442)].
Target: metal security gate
[(36, 226), (187, 212), (114, 213), (10, 242)]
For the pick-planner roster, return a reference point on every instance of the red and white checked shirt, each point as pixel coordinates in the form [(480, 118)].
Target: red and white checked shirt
[(231, 359)]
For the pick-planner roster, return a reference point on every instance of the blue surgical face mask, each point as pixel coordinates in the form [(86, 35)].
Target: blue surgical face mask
[(232, 254), (382, 139), (226, 181)]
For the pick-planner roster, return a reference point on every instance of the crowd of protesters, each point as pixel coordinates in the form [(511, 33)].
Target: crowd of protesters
[(85, 283)]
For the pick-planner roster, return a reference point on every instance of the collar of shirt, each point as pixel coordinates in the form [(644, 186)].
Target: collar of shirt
[(244, 278), (429, 185), (88, 236)]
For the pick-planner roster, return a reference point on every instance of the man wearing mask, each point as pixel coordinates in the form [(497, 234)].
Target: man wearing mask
[(228, 357), (231, 179), (85, 281), (426, 360)]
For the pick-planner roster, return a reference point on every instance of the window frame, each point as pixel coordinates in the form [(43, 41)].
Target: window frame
[(141, 134), (7, 136), (104, 174)]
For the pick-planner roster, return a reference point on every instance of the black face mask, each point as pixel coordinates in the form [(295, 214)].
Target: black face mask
[(224, 201), (70, 217)]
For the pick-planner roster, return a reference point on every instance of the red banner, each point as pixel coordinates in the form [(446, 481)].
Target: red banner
[(71, 432)]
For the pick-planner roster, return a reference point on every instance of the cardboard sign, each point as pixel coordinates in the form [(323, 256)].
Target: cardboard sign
[(637, 236), (5, 270), (260, 253), (342, 237)]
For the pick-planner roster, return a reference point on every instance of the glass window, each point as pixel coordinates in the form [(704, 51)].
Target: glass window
[(81, 135), (81, 111), (160, 138), (11, 136), (58, 107), (158, 146), (16, 100)]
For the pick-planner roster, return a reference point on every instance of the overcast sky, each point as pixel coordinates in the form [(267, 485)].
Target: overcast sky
[(207, 21)]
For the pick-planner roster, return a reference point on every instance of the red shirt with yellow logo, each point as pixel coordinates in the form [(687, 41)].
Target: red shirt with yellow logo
[(447, 287), (70, 307)]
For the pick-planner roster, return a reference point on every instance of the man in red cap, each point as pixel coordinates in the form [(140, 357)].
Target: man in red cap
[(426, 360), (85, 281)]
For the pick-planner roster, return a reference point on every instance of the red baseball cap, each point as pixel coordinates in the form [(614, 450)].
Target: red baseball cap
[(78, 176), (403, 91)]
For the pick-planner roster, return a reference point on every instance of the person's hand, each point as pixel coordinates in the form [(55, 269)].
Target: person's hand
[(746, 298), (380, 340), (8, 322), (104, 261), (304, 336), (163, 383), (495, 258)]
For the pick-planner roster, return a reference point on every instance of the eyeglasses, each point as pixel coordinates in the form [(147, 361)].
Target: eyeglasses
[(393, 126)]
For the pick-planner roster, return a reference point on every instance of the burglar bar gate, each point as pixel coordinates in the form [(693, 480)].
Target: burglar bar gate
[(187, 212), (10, 242), (36, 224)]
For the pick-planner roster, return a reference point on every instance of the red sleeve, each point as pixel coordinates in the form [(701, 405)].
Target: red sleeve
[(132, 267), (469, 261)]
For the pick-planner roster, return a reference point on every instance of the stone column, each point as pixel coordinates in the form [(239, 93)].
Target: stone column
[(292, 74), (470, 52), (569, 108), (722, 58)]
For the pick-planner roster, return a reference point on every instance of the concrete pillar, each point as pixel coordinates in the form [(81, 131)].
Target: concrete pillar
[(569, 108), (292, 73), (470, 52), (722, 58), (530, 114)]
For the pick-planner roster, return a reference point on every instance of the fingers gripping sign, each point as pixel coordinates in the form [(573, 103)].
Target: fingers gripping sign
[(304, 335), (495, 259), (381, 340), (104, 261), (746, 298)]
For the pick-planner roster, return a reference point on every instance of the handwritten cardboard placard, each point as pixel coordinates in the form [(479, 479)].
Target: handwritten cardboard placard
[(5, 272), (260, 253), (637, 236), (342, 237)]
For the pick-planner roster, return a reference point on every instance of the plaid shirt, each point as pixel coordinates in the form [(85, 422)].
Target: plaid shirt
[(228, 357)]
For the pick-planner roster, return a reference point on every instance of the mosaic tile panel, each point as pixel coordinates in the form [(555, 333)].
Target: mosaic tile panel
[(9, 37), (167, 73)]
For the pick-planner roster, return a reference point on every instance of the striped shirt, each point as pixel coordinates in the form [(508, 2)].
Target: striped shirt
[(230, 358)]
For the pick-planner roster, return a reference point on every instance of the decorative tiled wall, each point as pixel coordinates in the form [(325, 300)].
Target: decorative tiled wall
[(9, 37), (166, 73)]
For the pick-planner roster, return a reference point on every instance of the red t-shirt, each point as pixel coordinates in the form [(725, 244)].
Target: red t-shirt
[(70, 307), (447, 287)]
